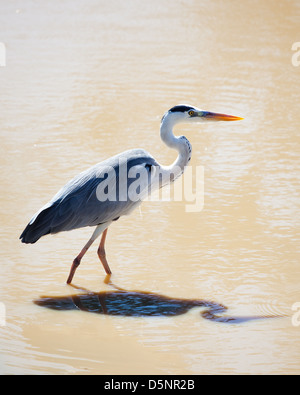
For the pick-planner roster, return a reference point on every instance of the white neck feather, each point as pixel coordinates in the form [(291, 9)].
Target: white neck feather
[(180, 144)]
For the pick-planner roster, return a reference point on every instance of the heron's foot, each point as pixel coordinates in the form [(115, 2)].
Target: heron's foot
[(107, 279)]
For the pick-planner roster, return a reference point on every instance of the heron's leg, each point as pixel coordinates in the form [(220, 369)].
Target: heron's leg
[(102, 254), (77, 260)]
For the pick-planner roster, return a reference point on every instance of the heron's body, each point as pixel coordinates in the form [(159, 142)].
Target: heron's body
[(76, 205), (103, 193)]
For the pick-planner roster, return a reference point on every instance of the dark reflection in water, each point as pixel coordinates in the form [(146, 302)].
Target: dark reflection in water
[(139, 304)]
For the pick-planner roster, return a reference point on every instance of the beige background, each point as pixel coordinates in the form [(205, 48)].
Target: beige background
[(85, 80)]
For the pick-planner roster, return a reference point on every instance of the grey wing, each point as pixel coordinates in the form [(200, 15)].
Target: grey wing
[(98, 195)]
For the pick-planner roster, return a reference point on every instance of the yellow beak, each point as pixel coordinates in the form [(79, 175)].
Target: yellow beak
[(214, 116)]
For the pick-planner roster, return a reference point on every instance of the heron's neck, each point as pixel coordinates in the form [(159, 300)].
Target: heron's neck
[(180, 144)]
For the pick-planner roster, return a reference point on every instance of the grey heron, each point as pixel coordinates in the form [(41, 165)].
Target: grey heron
[(100, 195)]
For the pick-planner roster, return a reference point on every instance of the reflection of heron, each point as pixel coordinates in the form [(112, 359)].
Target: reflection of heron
[(128, 304), (78, 203), (141, 304)]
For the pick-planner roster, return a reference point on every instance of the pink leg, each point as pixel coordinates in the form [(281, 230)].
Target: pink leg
[(77, 260), (102, 254)]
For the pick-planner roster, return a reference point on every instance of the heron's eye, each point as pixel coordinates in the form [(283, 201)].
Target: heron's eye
[(191, 113)]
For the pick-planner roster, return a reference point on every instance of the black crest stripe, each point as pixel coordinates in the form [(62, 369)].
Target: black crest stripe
[(180, 108)]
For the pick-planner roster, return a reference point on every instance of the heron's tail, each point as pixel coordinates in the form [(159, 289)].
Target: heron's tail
[(39, 226)]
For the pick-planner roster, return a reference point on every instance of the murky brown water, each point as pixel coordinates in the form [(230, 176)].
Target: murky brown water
[(85, 80)]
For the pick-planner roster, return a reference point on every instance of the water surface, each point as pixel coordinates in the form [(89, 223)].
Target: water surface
[(85, 80)]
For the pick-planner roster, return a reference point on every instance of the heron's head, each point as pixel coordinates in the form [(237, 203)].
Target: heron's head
[(186, 113)]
